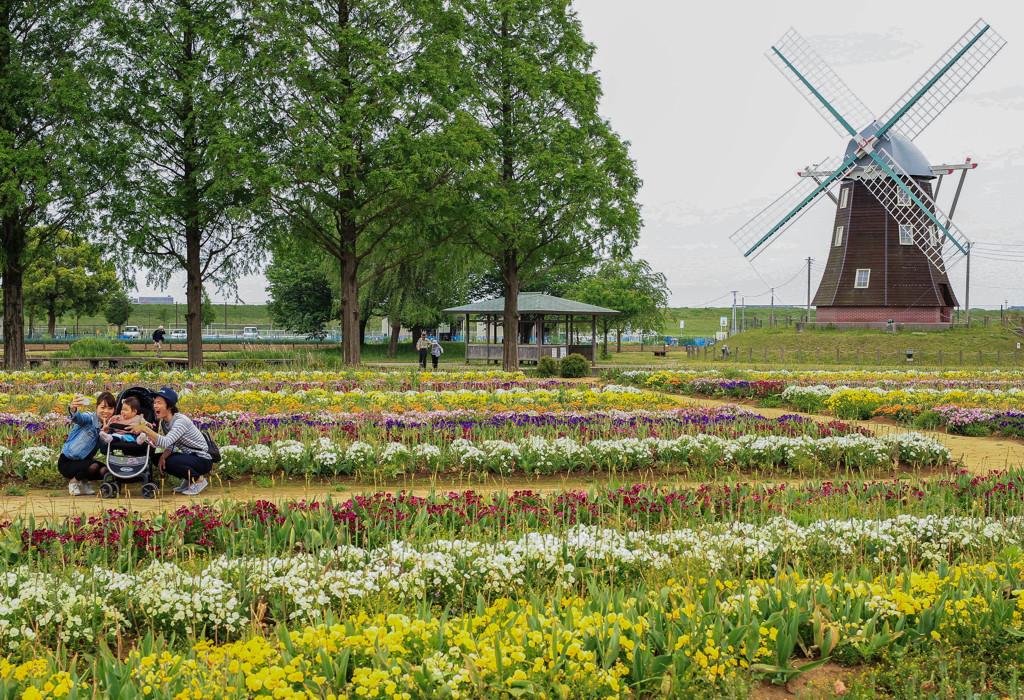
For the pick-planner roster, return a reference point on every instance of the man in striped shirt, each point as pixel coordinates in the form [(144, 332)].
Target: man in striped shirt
[(185, 453)]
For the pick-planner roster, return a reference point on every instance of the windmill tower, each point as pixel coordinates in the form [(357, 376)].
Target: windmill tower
[(889, 242)]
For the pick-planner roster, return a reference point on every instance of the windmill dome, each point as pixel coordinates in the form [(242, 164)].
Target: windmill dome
[(900, 148)]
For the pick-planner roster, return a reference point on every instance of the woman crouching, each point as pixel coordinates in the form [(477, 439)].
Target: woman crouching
[(76, 461), (185, 453)]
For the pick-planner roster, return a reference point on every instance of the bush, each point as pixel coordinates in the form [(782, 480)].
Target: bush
[(98, 347), (929, 420), (574, 366), (547, 367), (154, 366)]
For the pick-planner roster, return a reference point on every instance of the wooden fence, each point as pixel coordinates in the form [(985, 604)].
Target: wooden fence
[(908, 357)]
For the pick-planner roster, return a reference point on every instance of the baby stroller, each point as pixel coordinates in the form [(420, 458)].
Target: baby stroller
[(130, 463)]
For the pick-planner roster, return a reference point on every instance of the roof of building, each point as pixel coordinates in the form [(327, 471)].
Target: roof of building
[(534, 303), (902, 150)]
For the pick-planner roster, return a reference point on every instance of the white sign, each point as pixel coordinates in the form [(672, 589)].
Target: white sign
[(724, 321), (682, 325)]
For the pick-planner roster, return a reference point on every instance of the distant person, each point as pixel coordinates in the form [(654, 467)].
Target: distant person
[(726, 352), (158, 340), (435, 352), (423, 345)]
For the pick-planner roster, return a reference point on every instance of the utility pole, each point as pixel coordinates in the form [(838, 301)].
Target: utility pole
[(808, 290), (967, 299), (771, 318), (743, 314), (734, 293)]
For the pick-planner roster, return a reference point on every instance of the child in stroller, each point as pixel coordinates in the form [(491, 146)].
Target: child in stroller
[(117, 430), (129, 460)]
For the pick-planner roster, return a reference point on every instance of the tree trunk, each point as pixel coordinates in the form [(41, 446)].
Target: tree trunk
[(618, 340), (396, 328), (510, 343), (31, 324), (349, 306), (51, 321), (362, 329), (14, 295), (193, 297), (416, 330)]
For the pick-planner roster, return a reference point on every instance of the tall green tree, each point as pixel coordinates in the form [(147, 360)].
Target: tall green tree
[(209, 311), (187, 99), (372, 139), (72, 278), (557, 187), (117, 308), (301, 296), (49, 155), (629, 286)]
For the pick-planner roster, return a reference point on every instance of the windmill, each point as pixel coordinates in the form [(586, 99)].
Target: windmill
[(889, 242)]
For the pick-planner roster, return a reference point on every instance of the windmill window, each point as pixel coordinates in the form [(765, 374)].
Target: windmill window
[(844, 198), (902, 198), (906, 234), (936, 237), (839, 236), (863, 276)]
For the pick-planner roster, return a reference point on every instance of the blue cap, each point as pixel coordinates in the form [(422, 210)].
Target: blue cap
[(169, 395)]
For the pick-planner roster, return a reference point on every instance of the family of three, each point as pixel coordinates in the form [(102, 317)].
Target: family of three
[(184, 453)]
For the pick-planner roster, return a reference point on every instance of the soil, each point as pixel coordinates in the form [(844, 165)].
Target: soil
[(820, 682)]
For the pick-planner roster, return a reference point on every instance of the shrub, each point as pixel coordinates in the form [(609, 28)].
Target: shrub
[(929, 420), (98, 347), (547, 367), (574, 366), (154, 366)]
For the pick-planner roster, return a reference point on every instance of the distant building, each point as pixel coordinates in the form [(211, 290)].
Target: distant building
[(153, 300)]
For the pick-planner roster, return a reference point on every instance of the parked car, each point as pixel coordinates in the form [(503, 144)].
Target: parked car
[(132, 332), (179, 334), (250, 333)]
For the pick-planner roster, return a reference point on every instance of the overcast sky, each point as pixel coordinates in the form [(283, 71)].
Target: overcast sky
[(717, 132)]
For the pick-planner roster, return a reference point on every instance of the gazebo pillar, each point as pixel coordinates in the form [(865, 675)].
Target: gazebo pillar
[(467, 339), (540, 336)]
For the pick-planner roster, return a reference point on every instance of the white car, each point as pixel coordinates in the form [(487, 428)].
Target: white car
[(250, 333), (179, 335), (132, 332)]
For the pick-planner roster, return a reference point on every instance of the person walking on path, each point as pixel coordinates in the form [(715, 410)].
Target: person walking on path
[(158, 340), (185, 452), (423, 345), (76, 461), (435, 352)]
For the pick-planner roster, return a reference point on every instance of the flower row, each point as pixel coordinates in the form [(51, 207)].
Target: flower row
[(540, 455), (81, 607), (213, 401)]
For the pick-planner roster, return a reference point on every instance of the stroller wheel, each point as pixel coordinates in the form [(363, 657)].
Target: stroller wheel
[(109, 489), (149, 490)]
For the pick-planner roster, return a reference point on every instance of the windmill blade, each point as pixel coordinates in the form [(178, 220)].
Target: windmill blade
[(819, 84), (940, 84), (908, 203), (755, 235)]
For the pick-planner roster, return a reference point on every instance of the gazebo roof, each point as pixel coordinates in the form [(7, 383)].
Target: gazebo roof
[(534, 303)]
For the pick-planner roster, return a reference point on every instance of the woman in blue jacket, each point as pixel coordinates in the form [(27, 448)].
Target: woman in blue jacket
[(76, 461)]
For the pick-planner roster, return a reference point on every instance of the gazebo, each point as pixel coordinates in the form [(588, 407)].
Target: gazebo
[(538, 313)]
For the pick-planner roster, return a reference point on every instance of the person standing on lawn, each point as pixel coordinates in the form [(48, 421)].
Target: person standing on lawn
[(185, 452), (423, 345), (76, 461), (435, 352), (158, 340)]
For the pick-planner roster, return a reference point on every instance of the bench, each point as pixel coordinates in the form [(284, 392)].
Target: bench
[(661, 353)]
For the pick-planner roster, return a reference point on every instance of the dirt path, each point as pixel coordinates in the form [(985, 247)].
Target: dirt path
[(977, 454)]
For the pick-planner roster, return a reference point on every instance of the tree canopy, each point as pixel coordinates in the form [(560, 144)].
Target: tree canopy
[(555, 186), (628, 286)]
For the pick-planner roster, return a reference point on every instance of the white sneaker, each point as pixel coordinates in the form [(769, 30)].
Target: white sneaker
[(74, 488), (106, 437), (195, 488), (180, 488), (85, 489)]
